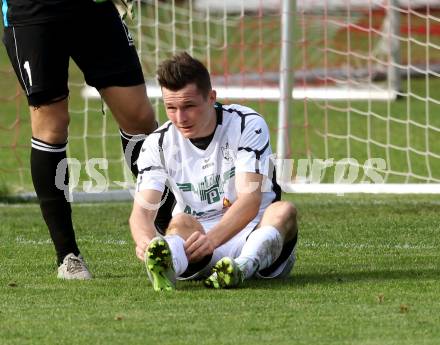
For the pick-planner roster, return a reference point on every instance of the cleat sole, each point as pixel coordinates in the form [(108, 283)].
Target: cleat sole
[(225, 274), (158, 262)]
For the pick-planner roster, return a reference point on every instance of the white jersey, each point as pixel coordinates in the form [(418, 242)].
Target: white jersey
[(203, 181)]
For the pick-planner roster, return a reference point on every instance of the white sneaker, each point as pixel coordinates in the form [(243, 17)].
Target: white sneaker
[(74, 267)]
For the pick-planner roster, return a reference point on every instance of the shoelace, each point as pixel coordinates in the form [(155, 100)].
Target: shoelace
[(74, 265)]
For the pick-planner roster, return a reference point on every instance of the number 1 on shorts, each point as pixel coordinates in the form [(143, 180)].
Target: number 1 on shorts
[(27, 67)]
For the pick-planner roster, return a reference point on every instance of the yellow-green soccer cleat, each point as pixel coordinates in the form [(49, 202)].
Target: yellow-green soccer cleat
[(159, 264), (225, 274)]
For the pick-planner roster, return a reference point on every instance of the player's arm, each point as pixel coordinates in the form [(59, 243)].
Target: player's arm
[(142, 218), (242, 211), (149, 188), (253, 150)]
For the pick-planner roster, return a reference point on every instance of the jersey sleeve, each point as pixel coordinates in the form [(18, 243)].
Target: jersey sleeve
[(254, 147), (152, 173)]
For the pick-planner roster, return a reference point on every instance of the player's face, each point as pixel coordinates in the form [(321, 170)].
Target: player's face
[(192, 114)]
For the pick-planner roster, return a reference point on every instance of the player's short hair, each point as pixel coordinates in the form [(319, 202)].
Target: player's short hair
[(182, 69)]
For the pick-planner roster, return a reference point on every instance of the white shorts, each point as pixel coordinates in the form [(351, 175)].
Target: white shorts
[(233, 248)]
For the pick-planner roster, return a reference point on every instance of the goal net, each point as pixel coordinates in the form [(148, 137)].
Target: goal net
[(363, 110), (382, 135)]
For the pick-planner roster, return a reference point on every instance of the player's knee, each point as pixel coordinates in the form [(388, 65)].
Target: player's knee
[(282, 211), (131, 108), (50, 122), (138, 119), (184, 225), (182, 219)]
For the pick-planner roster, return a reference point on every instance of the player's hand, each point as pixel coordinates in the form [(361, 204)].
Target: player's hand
[(197, 246), (141, 247)]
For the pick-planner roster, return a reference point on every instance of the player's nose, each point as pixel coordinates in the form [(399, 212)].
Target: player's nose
[(181, 116)]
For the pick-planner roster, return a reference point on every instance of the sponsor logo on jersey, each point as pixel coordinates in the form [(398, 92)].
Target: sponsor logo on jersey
[(206, 166), (211, 188), (226, 203), (206, 214)]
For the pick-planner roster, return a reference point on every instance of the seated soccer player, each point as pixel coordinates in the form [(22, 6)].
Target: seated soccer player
[(228, 224)]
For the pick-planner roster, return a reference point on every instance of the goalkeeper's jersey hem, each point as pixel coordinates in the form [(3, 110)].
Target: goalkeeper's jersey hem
[(37, 21), (30, 12)]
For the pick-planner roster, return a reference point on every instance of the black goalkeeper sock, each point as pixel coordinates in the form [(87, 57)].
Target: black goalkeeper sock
[(132, 144), (55, 208)]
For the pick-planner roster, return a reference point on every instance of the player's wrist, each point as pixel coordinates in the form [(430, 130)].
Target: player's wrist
[(214, 239)]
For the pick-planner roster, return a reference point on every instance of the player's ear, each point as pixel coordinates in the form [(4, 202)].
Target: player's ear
[(212, 96)]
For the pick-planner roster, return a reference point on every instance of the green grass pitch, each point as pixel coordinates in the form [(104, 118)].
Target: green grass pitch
[(367, 273)]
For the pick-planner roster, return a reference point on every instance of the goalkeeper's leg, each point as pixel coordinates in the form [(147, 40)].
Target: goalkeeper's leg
[(43, 77), (49, 130)]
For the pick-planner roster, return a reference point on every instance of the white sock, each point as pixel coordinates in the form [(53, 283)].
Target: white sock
[(261, 249), (180, 261)]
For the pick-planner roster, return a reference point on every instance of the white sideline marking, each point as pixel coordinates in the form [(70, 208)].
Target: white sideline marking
[(25, 241), (361, 246), (303, 243)]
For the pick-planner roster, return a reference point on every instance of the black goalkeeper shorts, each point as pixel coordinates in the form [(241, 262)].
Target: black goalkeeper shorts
[(98, 41)]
